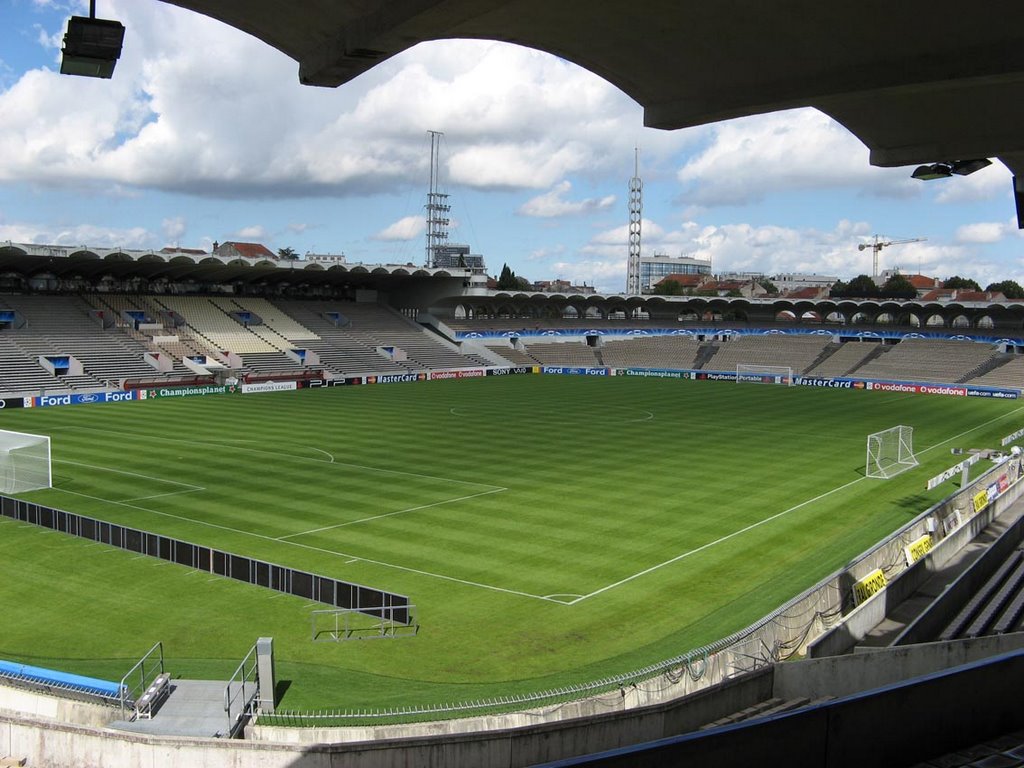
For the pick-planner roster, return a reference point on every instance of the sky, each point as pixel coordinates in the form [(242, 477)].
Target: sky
[(204, 134)]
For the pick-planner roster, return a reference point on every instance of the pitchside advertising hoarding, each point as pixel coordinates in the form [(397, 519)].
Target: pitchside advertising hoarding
[(516, 370), (459, 373), (560, 370), (47, 401), (190, 391), (14, 402)]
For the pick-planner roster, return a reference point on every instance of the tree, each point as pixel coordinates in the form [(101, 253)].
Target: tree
[(839, 290), (769, 286), (507, 280), (899, 287), (287, 254), (958, 283), (862, 287), (1011, 289), (668, 287)]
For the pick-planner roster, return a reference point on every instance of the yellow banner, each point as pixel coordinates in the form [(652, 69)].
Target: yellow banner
[(980, 500), (870, 585), (918, 548)]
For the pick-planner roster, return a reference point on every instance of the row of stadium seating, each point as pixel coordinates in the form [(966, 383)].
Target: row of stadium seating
[(112, 348), (347, 337), (927, 360)]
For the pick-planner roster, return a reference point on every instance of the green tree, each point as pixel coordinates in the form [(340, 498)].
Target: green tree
[(898, 287), (961, 284), (769, 286), (507, 279), (287, 254), (668, 287), (862, 287), (839, 290), (1011, 289)]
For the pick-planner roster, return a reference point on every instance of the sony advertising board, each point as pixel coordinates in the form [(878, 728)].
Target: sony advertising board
[(13, 402), (518, 370)]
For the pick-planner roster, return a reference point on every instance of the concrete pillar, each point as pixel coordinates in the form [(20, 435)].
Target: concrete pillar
[(265, 673)]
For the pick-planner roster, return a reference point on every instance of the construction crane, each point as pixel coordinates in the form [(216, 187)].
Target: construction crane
[(879, 244)]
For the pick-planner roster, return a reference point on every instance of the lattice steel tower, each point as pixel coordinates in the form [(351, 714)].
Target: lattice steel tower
[(438, 208), (636, 205)]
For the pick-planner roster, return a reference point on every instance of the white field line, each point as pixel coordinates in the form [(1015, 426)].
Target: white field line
[(776, 516), (350, 556), (289, 456), (389, 514), (190, 486), (161, 495)]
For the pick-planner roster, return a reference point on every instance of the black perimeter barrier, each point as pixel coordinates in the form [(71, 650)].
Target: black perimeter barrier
[(321, 589)]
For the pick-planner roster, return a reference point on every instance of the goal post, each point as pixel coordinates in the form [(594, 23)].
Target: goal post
[(24, 462), (890, 452), (748, 373)]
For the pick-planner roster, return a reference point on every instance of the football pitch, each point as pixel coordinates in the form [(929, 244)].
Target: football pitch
[(550, 530)]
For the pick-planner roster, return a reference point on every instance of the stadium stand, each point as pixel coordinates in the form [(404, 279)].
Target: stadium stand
[(370, 326), (572, 353), (511, 354), (651, 352), (211, 323), (845, 359), (936, 360), (797, 352), (1008, 372), (60, 325)]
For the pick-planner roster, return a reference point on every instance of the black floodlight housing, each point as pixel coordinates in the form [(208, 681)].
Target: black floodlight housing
[(932, 171), (91, 46), (967, 167)]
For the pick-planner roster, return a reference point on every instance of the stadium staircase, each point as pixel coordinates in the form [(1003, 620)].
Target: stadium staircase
[(704, 356)]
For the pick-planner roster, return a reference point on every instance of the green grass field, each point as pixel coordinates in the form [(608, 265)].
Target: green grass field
[(550, 530)]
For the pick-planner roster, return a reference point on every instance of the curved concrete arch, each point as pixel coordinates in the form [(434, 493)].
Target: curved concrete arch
[(152, 258), (313, 268), (84, 256), (893, 94)]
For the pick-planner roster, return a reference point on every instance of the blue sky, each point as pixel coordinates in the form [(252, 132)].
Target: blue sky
[(205, 134)]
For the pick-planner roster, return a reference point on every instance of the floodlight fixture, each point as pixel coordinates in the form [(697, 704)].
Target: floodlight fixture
[(932, 171), (91, 46), (967, 167)]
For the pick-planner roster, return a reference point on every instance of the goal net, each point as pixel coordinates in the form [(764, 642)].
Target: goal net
[(764, 374), (24, 462), (890, 452)]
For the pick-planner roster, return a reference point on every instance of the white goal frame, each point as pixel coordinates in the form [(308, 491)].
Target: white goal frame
[(890, 452), (748, 373), (24, 462)]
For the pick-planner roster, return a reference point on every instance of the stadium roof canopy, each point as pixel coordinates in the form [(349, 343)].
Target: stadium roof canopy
[(918, 81)]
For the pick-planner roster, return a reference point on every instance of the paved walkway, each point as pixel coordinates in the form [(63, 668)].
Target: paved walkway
[(192, 708)]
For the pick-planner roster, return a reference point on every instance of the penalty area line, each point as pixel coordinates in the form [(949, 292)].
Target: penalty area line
[(389, 514), (776, 516)]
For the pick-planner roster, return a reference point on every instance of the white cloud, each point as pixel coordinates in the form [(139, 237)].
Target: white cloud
[(986, 184), (225, 116), (982, 232), (750, 158), (174, 228), (553, 204), (82, 234), (407, 228), (254, 232)]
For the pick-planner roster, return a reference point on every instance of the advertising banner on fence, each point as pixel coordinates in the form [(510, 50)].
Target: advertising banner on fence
[(269, 386), (518, 370), (13, 402), (395, 378), (715, 376), (460, 373), (831, 383), (573, 371), (652, 373), (190, 391), (347, 381), (922, 389), (46, 401), (1002, 394)]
